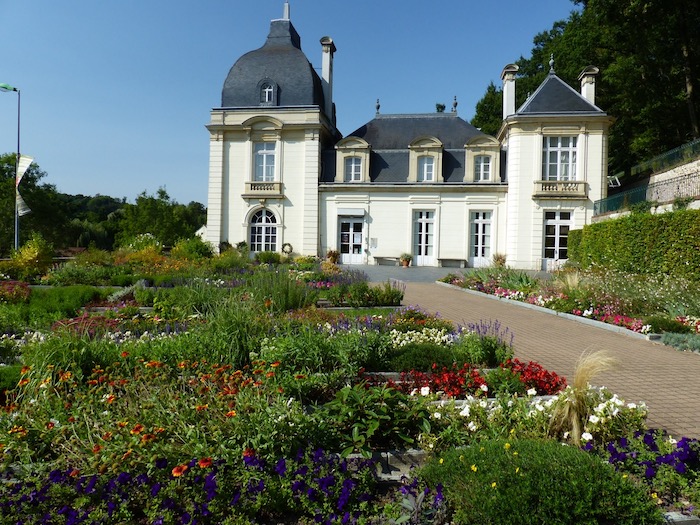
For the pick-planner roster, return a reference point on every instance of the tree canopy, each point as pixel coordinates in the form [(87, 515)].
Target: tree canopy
[(648, 55)]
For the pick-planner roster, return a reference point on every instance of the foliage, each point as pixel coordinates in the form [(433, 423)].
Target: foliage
[(32, 260), (661, 324), (685, 342), (510, 481), (666, 243), (368, 418), (160, 216), (14, 292), (268, 257), (193, 248)]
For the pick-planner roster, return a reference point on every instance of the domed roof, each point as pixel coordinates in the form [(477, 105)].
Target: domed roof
[(279, 64)]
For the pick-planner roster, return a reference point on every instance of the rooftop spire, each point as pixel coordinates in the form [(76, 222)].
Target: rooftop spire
[(285, 13), (551, 64)]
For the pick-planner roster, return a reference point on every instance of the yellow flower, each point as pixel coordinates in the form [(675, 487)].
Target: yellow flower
[(441, 461), (506, 446), (493, 485), (517, 469), (474, 468)]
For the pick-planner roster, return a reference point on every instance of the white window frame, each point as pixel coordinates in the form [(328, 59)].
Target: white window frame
[(426, 168), (559, 158), (263, 231), (482, 168), (264, 163), (353, 169), (266, 93)]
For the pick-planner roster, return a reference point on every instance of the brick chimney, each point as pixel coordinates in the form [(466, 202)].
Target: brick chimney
[(508, 78), (587, 78)]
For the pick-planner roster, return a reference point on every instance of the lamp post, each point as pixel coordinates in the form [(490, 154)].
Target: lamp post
[(7, 87)]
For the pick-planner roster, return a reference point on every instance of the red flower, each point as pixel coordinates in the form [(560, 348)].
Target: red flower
[(179, 470), (204, 462)]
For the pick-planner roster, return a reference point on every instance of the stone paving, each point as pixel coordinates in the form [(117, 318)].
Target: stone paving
[(667, 380)]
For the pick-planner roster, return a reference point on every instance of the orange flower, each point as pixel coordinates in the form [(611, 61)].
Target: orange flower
[(74, 473), (23, 382), (25, 369), (201, 408), (204, 463), (65, 376), (107, 436), (138, 428), (147, 438), (158, 430), (127, 454), (275, 364), (248, 453), (122, 424), (231, 413), (270, 374), (18, 430), (71, 419), (110, 399), (125, 354), (179, 470), (299, 376), (96, 449)]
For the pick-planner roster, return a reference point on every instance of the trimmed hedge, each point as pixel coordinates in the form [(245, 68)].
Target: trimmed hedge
[(667, 243)]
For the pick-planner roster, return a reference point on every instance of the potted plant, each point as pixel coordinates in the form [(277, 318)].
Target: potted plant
[(333, 256), (405, 259)]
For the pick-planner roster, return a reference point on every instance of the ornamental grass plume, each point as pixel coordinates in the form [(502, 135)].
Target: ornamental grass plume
[(575, 406)]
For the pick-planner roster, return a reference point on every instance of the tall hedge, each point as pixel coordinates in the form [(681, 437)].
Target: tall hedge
[(642, 243)]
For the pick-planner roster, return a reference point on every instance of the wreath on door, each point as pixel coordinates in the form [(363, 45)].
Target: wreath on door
[(287, 248)]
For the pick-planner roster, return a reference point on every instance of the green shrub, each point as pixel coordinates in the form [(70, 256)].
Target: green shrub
[(33, 259), (661, 324), (192, 249), (9, 377), (268, 257), (422, 357), (685, 342), (486, 344), (279, 291), (504, 381), (533, 482), (370, 418)]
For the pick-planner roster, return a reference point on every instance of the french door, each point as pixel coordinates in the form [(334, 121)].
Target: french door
[(351, 241), (423, 238), (480, 239), (556, 236)]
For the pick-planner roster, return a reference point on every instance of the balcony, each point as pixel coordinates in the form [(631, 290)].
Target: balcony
[(560, 189), (263, 190)]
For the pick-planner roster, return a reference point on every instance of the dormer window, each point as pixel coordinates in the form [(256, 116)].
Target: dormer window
[(352, 160), (425, 160), (426, 168), (482, 168), (268, 92), (353, 169)]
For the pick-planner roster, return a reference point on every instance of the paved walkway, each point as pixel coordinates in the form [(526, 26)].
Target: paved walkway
[(667, 380)]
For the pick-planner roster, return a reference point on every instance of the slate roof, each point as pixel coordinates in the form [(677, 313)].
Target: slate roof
[(554, 96), (390, 135), (280, 60), (398, 131)]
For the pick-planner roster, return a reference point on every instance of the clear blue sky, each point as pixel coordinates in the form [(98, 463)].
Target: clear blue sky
[(116, 94)]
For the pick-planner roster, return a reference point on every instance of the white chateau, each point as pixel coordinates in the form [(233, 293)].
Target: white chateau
[(280, 172)]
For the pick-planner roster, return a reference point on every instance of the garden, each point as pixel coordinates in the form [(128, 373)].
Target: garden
[(146, 387)]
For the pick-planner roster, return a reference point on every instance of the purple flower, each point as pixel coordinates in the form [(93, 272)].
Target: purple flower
[(155, 489), (281, 467), (161, 463)]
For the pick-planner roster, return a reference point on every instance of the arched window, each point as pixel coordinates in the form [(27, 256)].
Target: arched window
[(263, 232), (266, 93)]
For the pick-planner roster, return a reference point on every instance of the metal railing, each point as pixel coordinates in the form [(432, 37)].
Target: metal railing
[(680, 155), (663, 191)]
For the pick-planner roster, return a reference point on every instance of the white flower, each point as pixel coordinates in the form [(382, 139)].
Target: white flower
[(594, 419), (465, 411), (424, 391), (484, 388), (586, 436), (532, 392), (631, 406), (566, 434), (472, 426), (437, 415), (483, 404), (510, 403)]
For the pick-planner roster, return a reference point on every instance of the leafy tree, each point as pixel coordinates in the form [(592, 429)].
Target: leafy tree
[(159, 215), (47, 216), (489, 111)]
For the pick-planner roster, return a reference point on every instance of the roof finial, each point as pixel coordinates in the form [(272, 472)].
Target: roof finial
[(285, 14), (454, 105), (551, 64), (377, 107)]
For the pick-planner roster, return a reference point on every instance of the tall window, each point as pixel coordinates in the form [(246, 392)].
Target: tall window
[(353, 169), (264, 162), (482, 168), (426, 169), (263, 232), (266, 92), (559, 158)]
